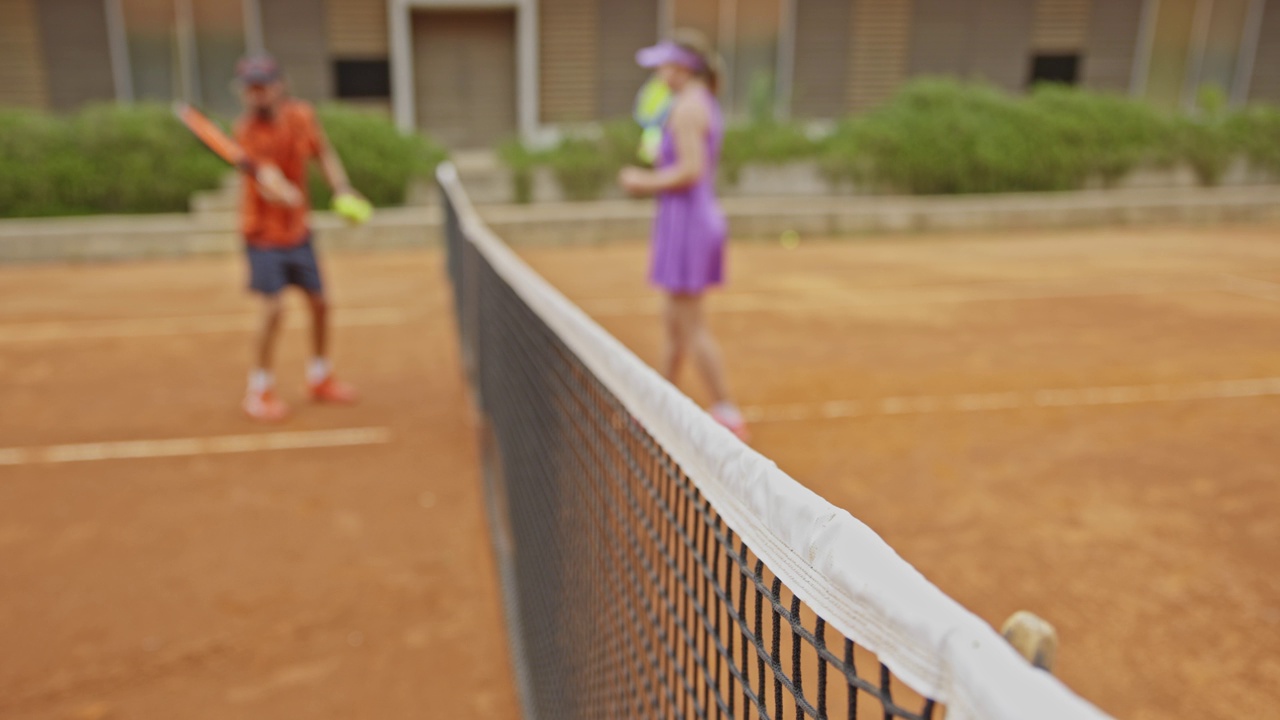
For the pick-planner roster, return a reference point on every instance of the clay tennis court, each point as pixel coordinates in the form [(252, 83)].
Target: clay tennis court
[(1082, 424)]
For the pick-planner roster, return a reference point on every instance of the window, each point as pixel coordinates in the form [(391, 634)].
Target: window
[(1057, 68), (746, 34), (153, 54), (1193, 45), (219, 42), (362, 79), (754, 56), (184, 50)]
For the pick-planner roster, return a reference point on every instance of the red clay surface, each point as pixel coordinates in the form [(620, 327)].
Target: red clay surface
[(357, 582), (348, 582)]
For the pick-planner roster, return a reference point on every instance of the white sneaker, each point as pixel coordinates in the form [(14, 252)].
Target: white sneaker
[(265, 406), (728, 415)]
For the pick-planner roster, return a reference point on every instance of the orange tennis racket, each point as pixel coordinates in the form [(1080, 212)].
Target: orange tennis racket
[(275, 187), (210, 134)]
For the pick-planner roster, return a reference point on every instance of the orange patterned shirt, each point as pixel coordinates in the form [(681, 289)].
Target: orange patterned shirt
[(288, 141)]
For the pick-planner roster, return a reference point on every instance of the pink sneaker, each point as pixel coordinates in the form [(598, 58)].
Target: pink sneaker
[(728, 415)]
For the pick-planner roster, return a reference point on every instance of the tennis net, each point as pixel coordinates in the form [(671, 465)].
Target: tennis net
[(654, 567)]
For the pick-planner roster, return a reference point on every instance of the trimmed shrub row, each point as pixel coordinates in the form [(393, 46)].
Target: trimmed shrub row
[(939, 136), (380, 161), (584, 164), (140, 159)]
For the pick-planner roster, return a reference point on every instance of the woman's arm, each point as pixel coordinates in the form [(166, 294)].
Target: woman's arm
[(689, 121)]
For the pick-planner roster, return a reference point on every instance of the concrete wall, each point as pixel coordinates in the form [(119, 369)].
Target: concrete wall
[(1266, 67), (121, 238), (1112, 44), (822, 64), (295, 31), (77, 58), (22, 75)]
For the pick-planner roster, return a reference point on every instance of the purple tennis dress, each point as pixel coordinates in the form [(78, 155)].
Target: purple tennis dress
[(689, 230)]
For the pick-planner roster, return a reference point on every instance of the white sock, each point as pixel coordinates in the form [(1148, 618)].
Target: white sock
[(260, 380), (317, 370)]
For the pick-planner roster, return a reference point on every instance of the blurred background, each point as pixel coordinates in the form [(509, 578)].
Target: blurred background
[(1128, 87), (1092, 193), (471, 76)]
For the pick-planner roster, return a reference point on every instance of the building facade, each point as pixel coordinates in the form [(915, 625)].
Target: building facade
[(472, 72)]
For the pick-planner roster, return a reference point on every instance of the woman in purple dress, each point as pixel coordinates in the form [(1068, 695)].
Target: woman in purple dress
[(689, 230)]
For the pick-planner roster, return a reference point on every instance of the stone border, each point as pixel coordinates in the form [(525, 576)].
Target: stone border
[(125, 237), (768, 218), (166, 236)]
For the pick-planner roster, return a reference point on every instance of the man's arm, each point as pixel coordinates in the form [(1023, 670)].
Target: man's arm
[(330, 164), (332, 167), (347, 202)]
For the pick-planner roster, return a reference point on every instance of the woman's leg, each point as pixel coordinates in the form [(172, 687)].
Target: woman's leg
[(675, 336), (688, 332)]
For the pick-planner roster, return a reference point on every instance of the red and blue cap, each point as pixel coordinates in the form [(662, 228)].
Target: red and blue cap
[(258, 70)]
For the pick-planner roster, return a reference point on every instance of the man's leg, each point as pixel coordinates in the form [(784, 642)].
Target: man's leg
[(268, 331), (305, 272), (319, 325), (267, 279)]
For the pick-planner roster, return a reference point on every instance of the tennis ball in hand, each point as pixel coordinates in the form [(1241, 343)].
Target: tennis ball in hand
[(352, 208)]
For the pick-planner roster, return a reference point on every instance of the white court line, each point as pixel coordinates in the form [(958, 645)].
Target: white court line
[(783, 302), (1045, 398), (190, 325), (186, 447), (1252, 287), (622, 307)]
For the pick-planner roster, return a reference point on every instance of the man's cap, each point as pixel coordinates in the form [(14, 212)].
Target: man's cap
[(257, 70)]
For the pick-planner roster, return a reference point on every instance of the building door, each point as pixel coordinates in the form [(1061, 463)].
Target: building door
[(464, 69)]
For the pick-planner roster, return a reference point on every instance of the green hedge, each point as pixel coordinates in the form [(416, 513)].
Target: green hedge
[(380, 161), (942, 136), (1256, 132), (584, 164), (140, 159), (763, 143), (939, 136), (521, 161), (105, 159)]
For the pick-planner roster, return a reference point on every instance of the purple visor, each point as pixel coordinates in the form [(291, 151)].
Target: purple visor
[(665, 53)]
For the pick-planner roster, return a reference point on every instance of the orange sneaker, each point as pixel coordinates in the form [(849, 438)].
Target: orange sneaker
[(265, 406), (331, 390)]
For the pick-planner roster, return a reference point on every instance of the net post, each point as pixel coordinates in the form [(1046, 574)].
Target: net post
[(1033, 637)]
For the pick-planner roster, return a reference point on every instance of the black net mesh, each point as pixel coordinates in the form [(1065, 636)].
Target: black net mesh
[(627, 595)]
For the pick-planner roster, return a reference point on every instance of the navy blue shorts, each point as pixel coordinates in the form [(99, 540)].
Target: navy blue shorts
[(271, 269)]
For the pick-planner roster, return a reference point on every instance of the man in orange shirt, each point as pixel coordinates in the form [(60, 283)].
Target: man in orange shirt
[(281, 135)]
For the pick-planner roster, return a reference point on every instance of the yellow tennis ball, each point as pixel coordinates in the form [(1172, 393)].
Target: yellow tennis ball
[(353, 209), (790, 239)]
